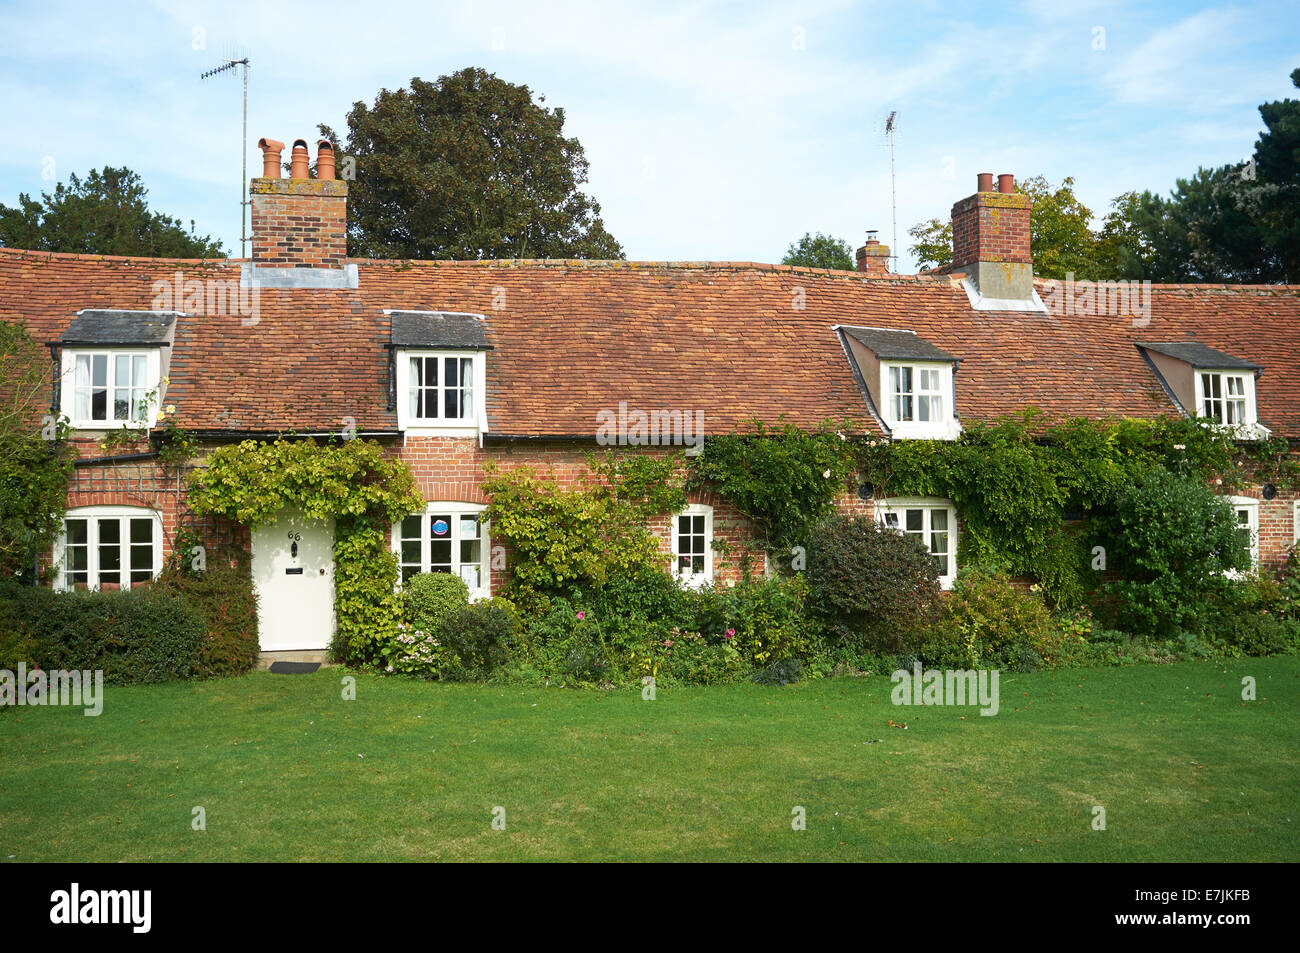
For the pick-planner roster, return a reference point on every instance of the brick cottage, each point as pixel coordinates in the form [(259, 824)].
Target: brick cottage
[(455, 363)]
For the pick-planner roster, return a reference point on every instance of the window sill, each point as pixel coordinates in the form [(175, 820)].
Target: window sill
[(949, 430)]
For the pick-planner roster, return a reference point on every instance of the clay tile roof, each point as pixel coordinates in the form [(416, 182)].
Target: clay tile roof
[(130, 328), (890, 345), (1199, 356), (737, 341), (440, 329)]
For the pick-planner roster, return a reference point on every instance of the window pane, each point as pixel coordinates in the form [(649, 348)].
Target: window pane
[(98, 405), (451, 404), (411, 527), (440, 555), (139, 371), (122, 370), (99, 367), (75, 530), (915, 521), (469, 551), (142, 531), (468, 527), (472, 574), (110, 531), (409, 571), (411, 552), (453, 368), (891, 519)]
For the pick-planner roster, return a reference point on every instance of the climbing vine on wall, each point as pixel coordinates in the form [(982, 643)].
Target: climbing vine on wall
[(355, 483), (1014, 481), (783, 478)]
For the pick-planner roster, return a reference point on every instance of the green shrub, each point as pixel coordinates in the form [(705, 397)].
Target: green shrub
[(780, 672), (224, 598), (1171, 540), (876, 588), (139, 635), (693, 659), (986, 622), (477, 640), (762, 619), (428, 598)]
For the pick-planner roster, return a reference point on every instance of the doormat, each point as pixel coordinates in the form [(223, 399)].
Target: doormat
[(294, 668)]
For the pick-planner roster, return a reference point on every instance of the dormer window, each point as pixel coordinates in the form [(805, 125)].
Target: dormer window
[(113, 364), (1217, 388), (439, 372), (916, 393), (440, 388), (1223, 398), (908, 382)]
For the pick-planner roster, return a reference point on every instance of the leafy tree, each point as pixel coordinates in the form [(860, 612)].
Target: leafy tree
[(468, 167), (820, 251), (34, 470), (103, 214)]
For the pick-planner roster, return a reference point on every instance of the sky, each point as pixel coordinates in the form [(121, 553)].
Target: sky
[(714, 131)]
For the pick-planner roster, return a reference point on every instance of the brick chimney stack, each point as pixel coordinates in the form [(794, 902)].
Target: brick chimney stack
[(298, 222), (873, 257), (990, 239)]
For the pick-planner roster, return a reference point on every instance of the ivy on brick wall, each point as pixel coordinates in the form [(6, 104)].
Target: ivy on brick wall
[(355, 483), (1014, 482), (567, 537), (783, 478)]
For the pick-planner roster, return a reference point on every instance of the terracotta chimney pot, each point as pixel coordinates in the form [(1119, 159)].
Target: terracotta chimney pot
[(299, 161), (324, 160), (1006, 183), (984, 182), (270, 157)]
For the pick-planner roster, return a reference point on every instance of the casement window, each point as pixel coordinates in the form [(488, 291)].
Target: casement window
[(440, 392), (916, 394), (446, 537), (933, 523), (110, 388), (1224, 399), (917, 400), (692, 530), (108, 547), (1246, 511)]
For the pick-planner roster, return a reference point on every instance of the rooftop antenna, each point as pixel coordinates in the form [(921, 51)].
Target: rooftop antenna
[(228, 64), (891, 126)]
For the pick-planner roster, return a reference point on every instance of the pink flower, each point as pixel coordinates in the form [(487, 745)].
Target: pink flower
[(731, 634), (581, 615)]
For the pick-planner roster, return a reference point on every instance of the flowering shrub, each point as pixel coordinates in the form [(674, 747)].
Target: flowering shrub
[(412, 651)]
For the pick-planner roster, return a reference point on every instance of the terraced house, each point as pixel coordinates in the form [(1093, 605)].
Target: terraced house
[(455, 363)]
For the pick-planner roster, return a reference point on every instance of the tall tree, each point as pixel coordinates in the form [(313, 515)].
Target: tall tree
[(468, 167), (103, 214), (820, 251)]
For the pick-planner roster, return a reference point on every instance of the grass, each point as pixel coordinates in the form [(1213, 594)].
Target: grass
[(287, 770)]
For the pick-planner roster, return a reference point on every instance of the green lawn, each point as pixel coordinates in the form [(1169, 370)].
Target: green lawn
[(286, 769)]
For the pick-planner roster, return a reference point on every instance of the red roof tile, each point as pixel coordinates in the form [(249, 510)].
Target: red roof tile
[(574, 337)]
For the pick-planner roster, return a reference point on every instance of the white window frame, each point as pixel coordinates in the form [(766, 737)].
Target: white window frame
[(455, 511), (92, 515), (945, 427), (442, 426), (68, 386), (928, 505), (1250, 506), (1249, 424), (683, 576)]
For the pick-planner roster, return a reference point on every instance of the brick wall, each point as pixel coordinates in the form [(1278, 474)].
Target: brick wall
[(991, 226), (299, 222)]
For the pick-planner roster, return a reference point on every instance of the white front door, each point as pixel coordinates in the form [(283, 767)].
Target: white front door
[(293, 572)]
